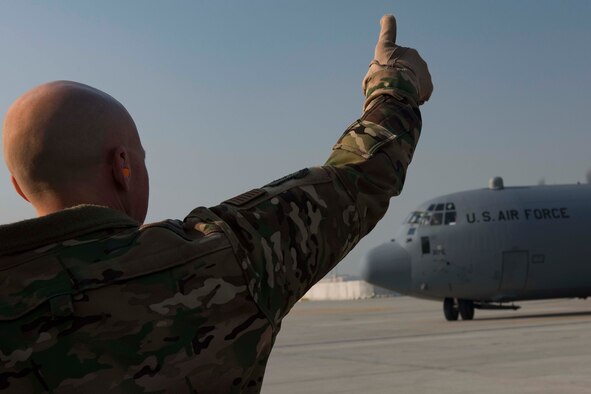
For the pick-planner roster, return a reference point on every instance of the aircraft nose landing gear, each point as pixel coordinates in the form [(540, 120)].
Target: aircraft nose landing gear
[(453, 308)]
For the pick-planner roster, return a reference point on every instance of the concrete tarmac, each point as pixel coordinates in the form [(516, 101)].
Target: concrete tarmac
[(404, 345)]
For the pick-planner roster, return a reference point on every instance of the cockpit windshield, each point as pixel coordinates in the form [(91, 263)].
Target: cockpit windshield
[(436, 215), (414, 217)]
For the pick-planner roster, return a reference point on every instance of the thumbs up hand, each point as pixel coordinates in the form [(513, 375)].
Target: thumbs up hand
[(396, 70)]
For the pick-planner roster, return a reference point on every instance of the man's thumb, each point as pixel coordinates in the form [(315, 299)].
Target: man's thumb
[(388, 32)]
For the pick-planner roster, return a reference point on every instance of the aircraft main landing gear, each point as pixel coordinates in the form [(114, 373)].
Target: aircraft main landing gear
[(452, 309), (466, 308)]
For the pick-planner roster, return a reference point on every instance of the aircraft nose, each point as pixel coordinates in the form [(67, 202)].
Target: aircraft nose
[(388, 266)]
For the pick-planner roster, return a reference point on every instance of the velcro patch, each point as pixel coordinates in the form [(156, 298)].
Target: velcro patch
[(245, 198), (296, 175)]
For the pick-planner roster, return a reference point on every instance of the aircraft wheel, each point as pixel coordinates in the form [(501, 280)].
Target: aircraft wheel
[(466, 308), (450, 309)]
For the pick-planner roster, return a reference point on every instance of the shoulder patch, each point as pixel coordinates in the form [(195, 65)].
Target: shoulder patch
[(245, 198), (296, 175)]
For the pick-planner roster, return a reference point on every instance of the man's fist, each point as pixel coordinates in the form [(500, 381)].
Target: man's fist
[(394, 67)]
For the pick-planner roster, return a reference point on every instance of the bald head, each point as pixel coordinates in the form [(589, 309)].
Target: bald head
[(64, 140), (58, 132)]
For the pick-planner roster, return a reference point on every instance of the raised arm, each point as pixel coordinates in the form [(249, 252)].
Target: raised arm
[(288, 234)]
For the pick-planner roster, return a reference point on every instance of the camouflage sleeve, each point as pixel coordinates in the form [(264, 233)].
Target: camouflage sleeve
[(291, 232)]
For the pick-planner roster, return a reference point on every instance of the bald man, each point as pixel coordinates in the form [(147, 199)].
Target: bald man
[(92, 301), (67, 144)]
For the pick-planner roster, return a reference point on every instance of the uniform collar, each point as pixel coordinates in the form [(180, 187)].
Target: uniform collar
[(66, 224)]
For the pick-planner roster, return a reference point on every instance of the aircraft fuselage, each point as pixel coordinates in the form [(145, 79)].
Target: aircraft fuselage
[(492, 245)]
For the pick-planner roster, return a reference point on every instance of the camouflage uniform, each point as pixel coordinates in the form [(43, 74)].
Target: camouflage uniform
[(90, 301)]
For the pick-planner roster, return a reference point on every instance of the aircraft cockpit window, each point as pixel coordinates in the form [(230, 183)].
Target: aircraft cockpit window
[(437, 214), (414, 217), (450, 217), (411, 231), (425, 218), (437, 219)]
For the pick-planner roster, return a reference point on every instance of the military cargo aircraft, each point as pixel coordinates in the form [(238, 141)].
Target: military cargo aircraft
[(485, 249)]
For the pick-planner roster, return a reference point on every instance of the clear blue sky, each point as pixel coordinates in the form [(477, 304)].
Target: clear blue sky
[(231, 95)]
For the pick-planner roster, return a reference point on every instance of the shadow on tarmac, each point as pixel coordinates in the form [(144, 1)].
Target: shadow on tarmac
[(535, 316)]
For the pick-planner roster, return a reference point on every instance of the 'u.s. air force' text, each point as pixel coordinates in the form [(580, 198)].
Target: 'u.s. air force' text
[(521, 214)]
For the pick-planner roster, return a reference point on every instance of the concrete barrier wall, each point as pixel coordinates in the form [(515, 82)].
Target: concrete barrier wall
[(349, 290)]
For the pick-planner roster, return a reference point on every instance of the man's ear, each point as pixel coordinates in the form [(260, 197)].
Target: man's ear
[(18, 188), (121, 170)]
